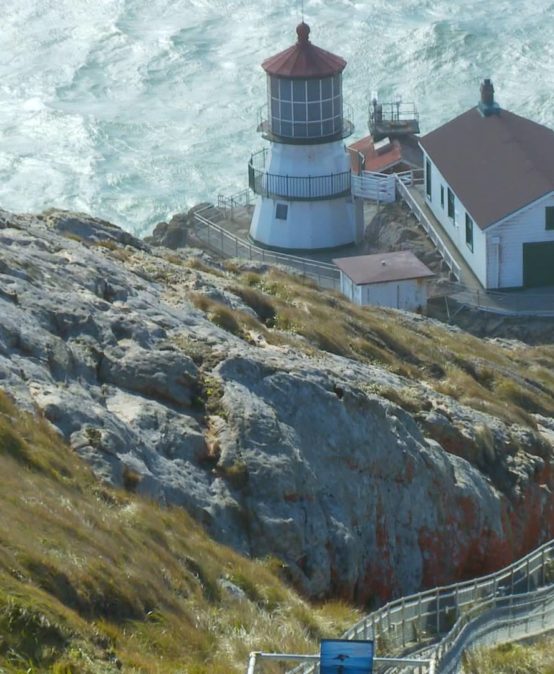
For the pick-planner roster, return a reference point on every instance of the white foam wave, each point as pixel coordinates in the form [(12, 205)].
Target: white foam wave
[(135, 109)]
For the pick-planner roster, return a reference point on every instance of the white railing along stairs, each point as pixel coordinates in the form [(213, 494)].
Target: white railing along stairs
[(436, 626)]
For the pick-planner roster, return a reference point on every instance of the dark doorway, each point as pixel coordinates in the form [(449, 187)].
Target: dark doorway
[(538, 264)]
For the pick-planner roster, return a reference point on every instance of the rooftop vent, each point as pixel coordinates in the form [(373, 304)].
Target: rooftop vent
[(487, 105)]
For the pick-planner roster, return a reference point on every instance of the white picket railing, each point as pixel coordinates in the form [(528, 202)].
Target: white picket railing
[(375, 186)]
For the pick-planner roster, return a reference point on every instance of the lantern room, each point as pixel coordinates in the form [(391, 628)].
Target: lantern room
[(304, 86)]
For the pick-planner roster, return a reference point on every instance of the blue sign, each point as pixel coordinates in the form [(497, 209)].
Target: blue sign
[(342, 656)]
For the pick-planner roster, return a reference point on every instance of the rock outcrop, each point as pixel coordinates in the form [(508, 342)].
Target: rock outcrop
[(276, 452)]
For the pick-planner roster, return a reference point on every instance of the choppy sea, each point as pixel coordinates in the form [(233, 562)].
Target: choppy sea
[(136, 109)]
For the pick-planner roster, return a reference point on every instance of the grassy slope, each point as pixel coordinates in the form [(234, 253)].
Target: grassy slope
[(508, 382), (536, 658), (92, 578)]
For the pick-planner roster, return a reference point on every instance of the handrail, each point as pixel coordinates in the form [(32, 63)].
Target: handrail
[(428, 227), (496, 616), (411, 622), (255, 656), (392, 111), (228, 245), (296, 188), (237, 200), (376, 186)]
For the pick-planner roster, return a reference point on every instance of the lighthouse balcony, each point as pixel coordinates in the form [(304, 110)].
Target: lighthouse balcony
[(296, 188), (305, 130)]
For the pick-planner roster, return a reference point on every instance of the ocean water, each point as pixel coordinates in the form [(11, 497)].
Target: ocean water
[(136, 109)]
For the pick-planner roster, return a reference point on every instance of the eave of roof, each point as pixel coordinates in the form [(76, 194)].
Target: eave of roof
[(495, 165), (383, 268), (304, 60)]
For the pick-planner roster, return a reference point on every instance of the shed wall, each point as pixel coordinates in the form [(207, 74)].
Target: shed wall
[(409, 295)]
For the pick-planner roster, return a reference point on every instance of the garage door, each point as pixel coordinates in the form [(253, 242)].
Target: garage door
[(538, 264)]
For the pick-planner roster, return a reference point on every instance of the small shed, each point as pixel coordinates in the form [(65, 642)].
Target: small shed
[(398, 280)]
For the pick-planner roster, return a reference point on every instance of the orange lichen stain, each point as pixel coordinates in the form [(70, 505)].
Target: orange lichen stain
[(292, 497)]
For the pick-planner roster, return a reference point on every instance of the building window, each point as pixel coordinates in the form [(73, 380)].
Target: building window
[(549, 217), (451, 209), (469, 232), (428, 179), (442, 196), (281, 211)]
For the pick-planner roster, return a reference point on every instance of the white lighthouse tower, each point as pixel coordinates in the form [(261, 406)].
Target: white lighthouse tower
[(304, 179)]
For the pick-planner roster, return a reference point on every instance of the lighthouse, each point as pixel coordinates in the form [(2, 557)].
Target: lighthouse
[(303, 179)]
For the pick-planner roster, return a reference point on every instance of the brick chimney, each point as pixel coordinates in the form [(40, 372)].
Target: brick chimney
[(487, 104)]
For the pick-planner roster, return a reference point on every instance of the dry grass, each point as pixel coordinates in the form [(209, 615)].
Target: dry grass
[(199, 265), (91, 577), (513, 658), (511, 383)]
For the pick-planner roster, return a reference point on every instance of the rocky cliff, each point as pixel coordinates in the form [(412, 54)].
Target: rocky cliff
[(373, 452)]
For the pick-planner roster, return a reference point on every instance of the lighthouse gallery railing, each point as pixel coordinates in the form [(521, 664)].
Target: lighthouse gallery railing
[(295, 188)]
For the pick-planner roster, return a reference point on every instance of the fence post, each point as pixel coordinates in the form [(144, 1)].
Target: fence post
[(457, 602), (528, 576), (438, 617), (403, 624), (511, 614)]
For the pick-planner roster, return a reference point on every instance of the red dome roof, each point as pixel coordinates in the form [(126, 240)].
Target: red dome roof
[(304, 60)]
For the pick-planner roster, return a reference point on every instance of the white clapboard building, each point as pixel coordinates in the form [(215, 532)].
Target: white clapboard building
[(398, 280), (489, 180)]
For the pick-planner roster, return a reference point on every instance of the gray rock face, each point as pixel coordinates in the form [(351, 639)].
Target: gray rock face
[(274, 452), (173, 234)]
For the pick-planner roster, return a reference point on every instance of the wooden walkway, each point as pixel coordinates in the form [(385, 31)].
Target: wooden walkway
[(469, 279)]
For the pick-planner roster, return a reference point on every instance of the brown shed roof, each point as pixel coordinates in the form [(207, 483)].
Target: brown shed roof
[(495, 165), (384, 267), (304, 59)]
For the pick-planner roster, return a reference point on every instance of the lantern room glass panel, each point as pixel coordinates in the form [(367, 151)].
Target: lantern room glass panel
[(294, 102)]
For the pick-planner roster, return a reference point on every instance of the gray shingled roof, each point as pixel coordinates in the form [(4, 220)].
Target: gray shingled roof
[(495, 165), (399, 266)]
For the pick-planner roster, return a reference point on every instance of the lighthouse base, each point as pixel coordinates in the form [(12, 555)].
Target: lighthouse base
[(307, 225)]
